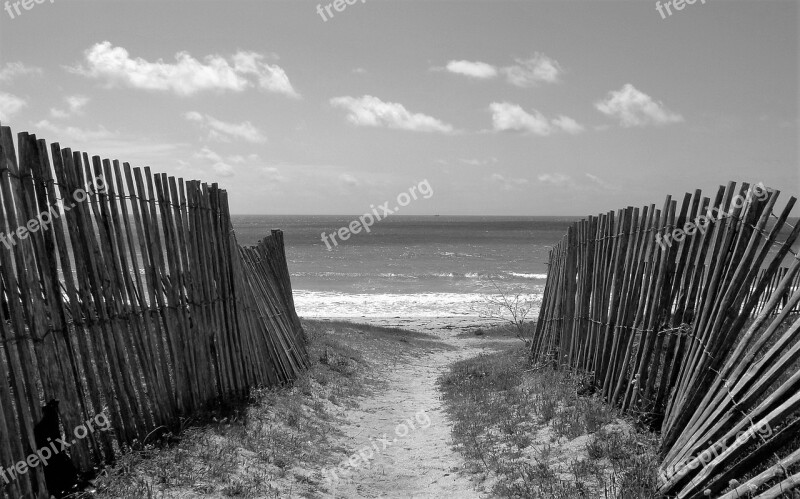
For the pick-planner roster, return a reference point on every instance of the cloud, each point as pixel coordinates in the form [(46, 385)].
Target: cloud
[(600, 182), (525, 73), (511, 117), (223, 169), (223, 131), (507, 183), (568, 124), (207, 154), (75, 105), (239, 159), (77, 134), (76, 102), (348, 180), (559, 180), (271, 77), (634, 108), (531, 72), (273, 174), (360, 71), (507, 117), (477, 69), (187, 75), (224, 166), (555, 179), (13, 69), (371, 111), (10, 105), (478, 162)]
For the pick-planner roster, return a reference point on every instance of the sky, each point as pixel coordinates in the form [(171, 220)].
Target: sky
[(504, 107)]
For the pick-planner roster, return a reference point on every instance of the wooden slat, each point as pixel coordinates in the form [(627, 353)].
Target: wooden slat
[(20, 361)]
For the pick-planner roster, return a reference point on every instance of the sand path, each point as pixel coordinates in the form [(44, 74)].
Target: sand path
[(405, 434)]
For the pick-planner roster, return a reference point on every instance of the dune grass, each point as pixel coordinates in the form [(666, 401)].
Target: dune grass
[(528, 434)]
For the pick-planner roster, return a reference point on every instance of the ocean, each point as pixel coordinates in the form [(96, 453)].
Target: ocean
[(410, 268)]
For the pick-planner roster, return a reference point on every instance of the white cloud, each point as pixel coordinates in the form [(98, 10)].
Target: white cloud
[(239, 159), (634, 108), (511, 117), (530, 72), (371, 111), (525, 73), (187, 75), (507, 183), (556, 179), (75, 105), (13, 69), (271, 77), (477, 69), (561, 180), (507, 117), (207, 154), (568, 124), (273, 174), (10, 105), (220, 165), (478, 162), (224, 131), (77, 134), (223, 169), (348, 179), (600, 182), (225, 166)]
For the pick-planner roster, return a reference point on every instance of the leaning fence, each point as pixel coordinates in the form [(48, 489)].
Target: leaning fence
[(695, 334), (125, 293)]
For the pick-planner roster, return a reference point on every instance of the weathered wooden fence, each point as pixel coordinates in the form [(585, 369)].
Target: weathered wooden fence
[(770, 289), (697, 336), (131, 299)]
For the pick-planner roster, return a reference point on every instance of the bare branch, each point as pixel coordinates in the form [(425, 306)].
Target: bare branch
[(509, 309)]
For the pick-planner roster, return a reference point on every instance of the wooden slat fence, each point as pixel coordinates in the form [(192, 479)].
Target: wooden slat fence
[(133, 300), (770, 289), (698, 339)]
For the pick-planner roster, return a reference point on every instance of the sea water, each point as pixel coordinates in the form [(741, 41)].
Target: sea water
[(411, 266)]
